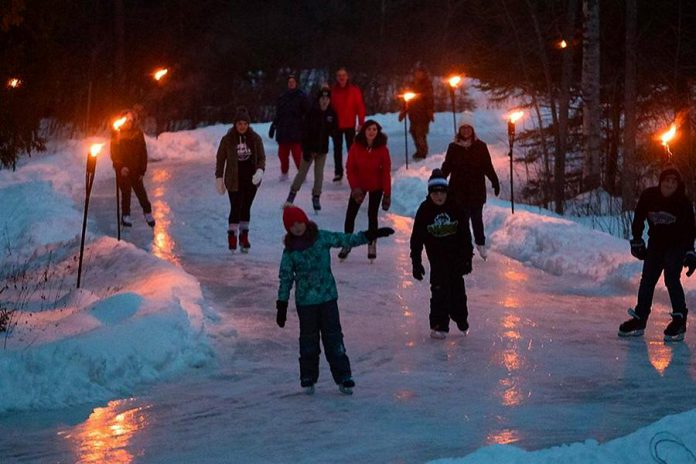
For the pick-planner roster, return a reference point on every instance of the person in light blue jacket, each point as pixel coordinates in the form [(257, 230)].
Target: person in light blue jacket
[(307, 263)]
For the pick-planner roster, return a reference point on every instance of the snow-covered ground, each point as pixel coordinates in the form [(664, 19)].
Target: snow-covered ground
[(170, 353)]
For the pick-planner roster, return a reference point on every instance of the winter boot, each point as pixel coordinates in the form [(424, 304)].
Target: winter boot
[(372, 250), (126, 221), (231, 240), (315, 203), (346, 387), (483, 253), (244, 241), (149, 219), (437, 334), (633, 327), (676, 329), (343, 254)]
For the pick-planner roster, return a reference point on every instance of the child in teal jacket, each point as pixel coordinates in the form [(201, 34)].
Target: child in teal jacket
[(306, 262)]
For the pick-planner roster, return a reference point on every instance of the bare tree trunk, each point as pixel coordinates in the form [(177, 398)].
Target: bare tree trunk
[(119, 55), (591, 116), (563, 109), (615, 140), (628, 175)]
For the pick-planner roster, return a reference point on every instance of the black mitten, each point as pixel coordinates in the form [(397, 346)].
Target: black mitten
[(375, 234), (271, 131), (282, 314), (638, 249), (418, 271), (690, 262)]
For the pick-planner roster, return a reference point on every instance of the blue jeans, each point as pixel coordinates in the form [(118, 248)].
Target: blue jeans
[(315, 320)]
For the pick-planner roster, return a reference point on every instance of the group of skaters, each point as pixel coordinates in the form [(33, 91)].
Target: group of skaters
[(441, 224)]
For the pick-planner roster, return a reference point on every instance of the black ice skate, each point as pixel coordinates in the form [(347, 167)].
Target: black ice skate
[(346, 387), (676, 329), (315, 203), (372, 251), (633, 327), (343, 254)]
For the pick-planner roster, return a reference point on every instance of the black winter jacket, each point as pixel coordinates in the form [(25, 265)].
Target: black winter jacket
[(318, 127), (670, 219), (469, 166), (128, 150), (445, 235), (291, 108)]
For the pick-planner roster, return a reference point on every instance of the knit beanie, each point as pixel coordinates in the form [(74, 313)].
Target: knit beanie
[(670, 170), (437, 182), (293, 214), (325, 92), (242, 115)]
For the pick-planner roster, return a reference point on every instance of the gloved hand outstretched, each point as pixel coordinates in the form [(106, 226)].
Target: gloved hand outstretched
[(418, 270), (690, 262), (282, 314), (375, 234), (638, 249)]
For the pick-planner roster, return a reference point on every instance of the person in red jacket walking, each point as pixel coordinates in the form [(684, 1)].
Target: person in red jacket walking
[(347, 101), (369, 174)]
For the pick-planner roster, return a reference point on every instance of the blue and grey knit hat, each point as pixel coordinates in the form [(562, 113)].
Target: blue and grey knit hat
[(437, 182)]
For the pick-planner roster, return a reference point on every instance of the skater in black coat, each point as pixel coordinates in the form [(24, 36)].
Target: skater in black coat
[(291, 108), (469, 163), (671, 234), (440, 227)]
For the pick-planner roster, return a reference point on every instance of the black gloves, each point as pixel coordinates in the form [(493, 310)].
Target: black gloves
[(375, 234), (282, 315), (271, 131), (690, 262), (638, 249), (418, 271)]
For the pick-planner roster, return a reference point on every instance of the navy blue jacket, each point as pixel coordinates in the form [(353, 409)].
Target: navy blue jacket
[(291, 109)]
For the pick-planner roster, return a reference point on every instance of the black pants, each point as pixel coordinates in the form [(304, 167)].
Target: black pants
[(372, 209), (475, 213), (240, 203), (670, 260), (125, 184), (315, 320), (419, 132), (338, 136), (448, 298)]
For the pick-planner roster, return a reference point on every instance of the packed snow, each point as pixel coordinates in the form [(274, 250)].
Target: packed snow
[(171, 346)]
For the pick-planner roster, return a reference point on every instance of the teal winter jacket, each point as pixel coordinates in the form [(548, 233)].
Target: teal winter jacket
[(310, 268)]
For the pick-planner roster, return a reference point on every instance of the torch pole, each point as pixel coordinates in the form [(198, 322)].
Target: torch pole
[(406, 133), (89, 180), (454, 110), (118, 209), (511, 138)]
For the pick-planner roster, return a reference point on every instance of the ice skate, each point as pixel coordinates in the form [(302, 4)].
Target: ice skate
[(676, 329), (309, 390), (150, 219), (483, 253), (126, 221), (231, 240), (372, 251), (343, 254), (290, 200), (438, 335), (244, 244), (634, 327), (346, 387), (315, 203)]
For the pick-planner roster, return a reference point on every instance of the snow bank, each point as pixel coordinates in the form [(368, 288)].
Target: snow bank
[(671, 439), (136, 319)]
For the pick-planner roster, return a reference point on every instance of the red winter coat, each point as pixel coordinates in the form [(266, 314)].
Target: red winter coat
[(348, 103), (369, 169)]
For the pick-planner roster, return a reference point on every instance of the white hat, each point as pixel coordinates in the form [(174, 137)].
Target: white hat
[(466, 118)]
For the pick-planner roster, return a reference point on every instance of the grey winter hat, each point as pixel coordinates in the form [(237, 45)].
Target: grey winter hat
[(242, 115), (437, 182)]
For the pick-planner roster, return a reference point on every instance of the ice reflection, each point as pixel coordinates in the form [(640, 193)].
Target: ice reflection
[(404, 395), (503, 437), (163, 243), (511, 394), (660, 356), (106, 434), (515, 276)]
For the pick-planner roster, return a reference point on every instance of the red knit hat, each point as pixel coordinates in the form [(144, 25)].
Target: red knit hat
[(293, 214)]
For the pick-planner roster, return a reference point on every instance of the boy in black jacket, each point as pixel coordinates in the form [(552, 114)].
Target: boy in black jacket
[(445, 234), (671, 233)]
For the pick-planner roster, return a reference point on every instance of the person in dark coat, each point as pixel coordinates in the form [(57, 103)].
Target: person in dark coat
[(291, 108), (671, 234), (468, 162), (421, 110), (129, 158), (444, 232), (320, 124), (239, 168)]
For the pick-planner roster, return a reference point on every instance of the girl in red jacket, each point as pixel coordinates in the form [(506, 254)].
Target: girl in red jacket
[(369, 174)]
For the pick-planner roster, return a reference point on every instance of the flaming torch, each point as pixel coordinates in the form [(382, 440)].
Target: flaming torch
[(94, 151), (512, 119), (119, 122), (406, 96), (117, 127), (666, 137), (159, 74), (14, 83), (454, 82)]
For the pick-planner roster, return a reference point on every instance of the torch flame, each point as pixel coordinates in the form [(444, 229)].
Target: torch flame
[(454, 81), (407, 96), (119, 122), (95, 149), (14, 83), (562, 44), (669, 135), (513, 117), (160, 73)]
